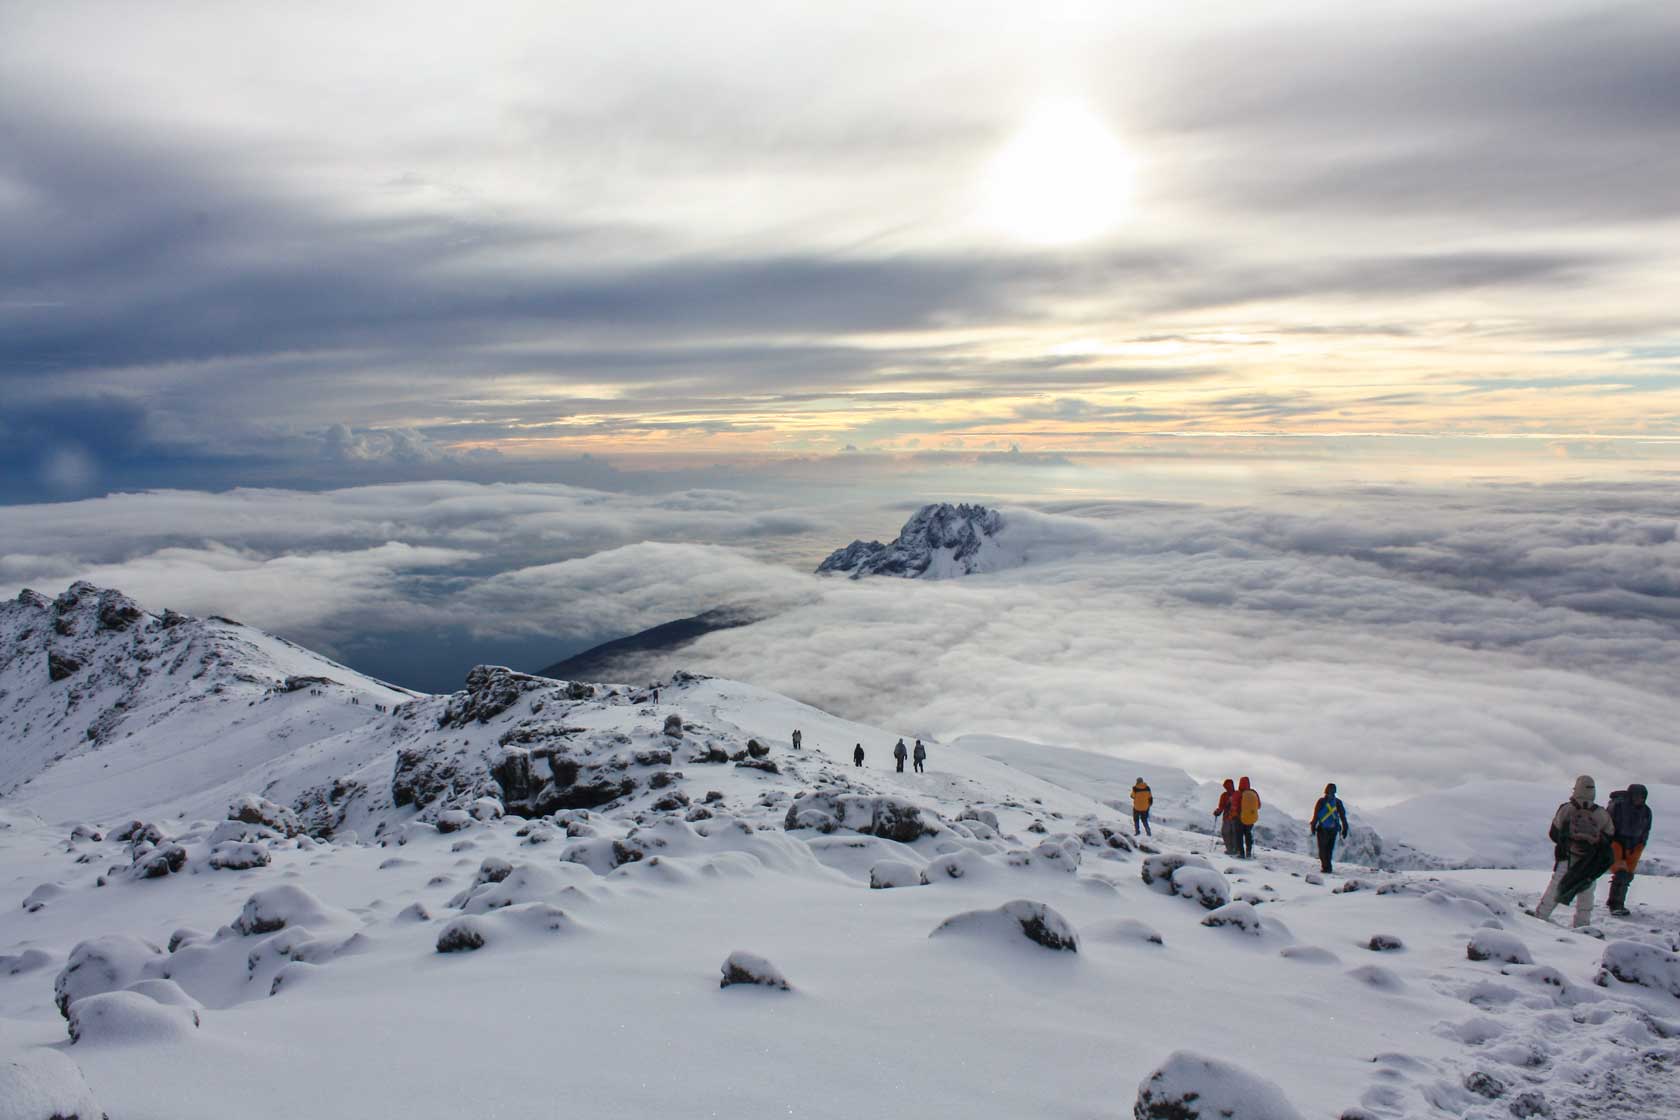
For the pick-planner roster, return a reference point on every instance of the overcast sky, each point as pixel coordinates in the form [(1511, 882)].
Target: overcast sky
[(318, 243)]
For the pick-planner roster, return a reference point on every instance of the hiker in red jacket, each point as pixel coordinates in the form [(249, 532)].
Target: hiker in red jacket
[(1230, 805)]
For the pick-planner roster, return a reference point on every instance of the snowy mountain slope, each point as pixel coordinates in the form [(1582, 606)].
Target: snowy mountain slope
[(108, 708), (939, 541), (665, 833)]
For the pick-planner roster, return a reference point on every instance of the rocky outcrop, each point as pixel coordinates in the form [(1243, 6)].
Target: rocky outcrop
[(891, 818), (938, 540), (490, 691), (61, 666)]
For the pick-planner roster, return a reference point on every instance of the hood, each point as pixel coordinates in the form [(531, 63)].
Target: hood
[(1586, 790), (1330, 790), (1243, 784), (1638, 792), (1229, 785)]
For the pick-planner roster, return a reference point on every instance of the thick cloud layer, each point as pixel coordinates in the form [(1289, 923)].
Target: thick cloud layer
[(1391, 639)]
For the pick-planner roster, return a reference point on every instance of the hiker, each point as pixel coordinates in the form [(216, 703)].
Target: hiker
[(1248, 812), (1142, 799), (920, 755), (1581, 832), (1328, 819), (797, 739), (1226, 811), (1632, 818), (857, 755), (900, 753)]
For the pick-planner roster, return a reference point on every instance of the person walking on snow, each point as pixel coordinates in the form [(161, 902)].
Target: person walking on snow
[(857, 755), (1226, 811), (1248, 811), (797, 739), (920, 756), (900, 753), (1581, 831), (1142, 799), (1329, 819), (1632, 818)]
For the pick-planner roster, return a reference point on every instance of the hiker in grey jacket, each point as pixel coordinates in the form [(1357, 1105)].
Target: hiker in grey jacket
[(1581, 831), (919, 755)]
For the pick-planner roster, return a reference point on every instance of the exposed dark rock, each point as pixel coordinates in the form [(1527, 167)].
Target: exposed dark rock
[(757, 749), (1485, 1085), (1384, 943), (672, 801), (251, 809), (656, 757), (463, 935), (61, 666), (674, 726), (491, 690), (299, 683), (589, 795), (764, 764), (747, 968)]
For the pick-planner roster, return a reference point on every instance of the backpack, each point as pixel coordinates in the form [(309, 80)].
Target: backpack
[(1583, 829), (1250, 806), (1330, 815)]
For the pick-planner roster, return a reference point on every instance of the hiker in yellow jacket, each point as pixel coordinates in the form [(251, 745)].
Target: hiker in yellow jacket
[(1248, 812), (1142, 799)]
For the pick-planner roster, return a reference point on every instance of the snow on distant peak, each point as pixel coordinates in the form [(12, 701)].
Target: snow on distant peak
[(940, 540)]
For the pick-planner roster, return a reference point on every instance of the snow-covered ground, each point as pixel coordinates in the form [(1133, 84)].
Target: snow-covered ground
[(589, 942)]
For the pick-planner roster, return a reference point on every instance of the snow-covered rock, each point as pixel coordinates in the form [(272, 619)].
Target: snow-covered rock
[(44, 1084), (1497, 945), (939, 540), (251, 809), (102, 964), (892, 818), (129, 1017), (1191, 1086), (1648, 966), (1202, 885), (748, 968), (1239, 916), (231, 855), (1034, 921), (282, 907), (889, 873)]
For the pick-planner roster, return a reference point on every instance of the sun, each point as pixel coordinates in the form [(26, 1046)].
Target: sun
[(1062, 178)]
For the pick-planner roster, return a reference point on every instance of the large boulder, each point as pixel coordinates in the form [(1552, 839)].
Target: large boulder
[(1034, 921), (1193, 1087)]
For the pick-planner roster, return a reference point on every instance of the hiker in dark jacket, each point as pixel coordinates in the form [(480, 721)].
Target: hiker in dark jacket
[(919, 755), (1581, 832), (1329, 820), (798, 739), (1631, 819), (900, 753), (857, 755)]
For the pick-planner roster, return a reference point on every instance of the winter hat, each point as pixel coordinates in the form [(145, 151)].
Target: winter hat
[(1243, 784), (1638, 792), (1586, 791)]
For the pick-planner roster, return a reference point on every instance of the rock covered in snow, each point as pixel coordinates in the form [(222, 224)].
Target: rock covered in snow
[(252, 809), (1034, 921), (1202, 885), (461, 935), (1157, 870), (939, 540), (282, 907), (749, 968), (126, 1017), (889, 873), (230, 855), (1497, 945), (1191, 1086), (44, 1084), (102, 964), (1239, 916), (1633, 962), (891, 818), (1384, 943)]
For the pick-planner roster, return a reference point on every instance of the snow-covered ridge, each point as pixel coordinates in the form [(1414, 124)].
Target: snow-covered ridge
[(940, 540)]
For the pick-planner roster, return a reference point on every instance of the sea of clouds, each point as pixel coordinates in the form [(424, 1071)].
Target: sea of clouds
[(1393, 639)]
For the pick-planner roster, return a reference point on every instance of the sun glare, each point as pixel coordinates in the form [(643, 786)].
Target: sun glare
[(1063, 178)]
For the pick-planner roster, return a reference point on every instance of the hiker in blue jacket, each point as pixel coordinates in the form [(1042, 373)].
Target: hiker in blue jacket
[(1329, 818)]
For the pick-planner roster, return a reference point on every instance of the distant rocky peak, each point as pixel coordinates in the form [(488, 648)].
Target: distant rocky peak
[(939, 540)]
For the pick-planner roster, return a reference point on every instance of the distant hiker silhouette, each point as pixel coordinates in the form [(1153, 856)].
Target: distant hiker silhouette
[(1581, 833), (1248, 812), (1632, 818), (900, 753), (1329, 820), (797, 739), (857, 755), (1142, 799), (920, 755)]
